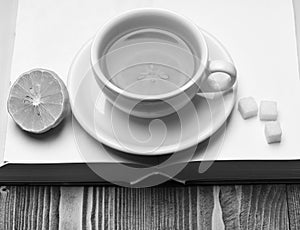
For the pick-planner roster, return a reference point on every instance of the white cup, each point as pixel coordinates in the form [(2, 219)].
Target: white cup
[(157, 105)]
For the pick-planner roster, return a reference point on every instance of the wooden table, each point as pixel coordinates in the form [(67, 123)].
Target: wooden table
[(198, 207)]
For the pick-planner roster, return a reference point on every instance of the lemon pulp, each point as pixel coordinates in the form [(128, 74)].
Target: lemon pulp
[(38, 100)]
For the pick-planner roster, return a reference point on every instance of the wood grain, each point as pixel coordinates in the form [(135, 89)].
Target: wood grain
[(43, 207), (254, 207), (149, 208), (293, 195), (197, 207)]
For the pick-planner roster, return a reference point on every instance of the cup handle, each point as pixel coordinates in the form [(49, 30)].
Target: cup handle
[(216, 66)]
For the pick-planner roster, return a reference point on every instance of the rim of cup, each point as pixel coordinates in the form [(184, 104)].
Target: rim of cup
[(190, 25)]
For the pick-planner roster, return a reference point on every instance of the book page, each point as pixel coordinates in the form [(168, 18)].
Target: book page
[(8, 14), (259, 35)]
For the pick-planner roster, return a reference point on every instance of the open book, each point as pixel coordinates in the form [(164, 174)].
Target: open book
[(259, 35)]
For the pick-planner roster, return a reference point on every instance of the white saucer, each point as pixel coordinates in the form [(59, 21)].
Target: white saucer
[(145, 136)]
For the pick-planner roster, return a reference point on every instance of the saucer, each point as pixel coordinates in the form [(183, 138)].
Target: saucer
[(186, 128)]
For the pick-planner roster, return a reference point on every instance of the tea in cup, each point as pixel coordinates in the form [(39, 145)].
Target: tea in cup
[(152, 62)]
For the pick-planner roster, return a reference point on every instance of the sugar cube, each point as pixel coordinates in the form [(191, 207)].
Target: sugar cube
[(219, 81), (273, 132), (247, 107), (268, 111)]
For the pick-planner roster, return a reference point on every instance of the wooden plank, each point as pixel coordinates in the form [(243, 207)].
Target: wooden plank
[(241, 207), (230, 204), (149, 208), (254, 207), (70, 208), (293, 195), (28, 207), (3, 205), (44, 207), (54, 207)]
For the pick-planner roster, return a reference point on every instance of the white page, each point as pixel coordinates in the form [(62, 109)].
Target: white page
[(49, 35), (259, 34), (8, 14)]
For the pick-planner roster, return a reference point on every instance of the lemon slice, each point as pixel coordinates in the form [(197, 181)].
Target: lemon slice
[(38, 100)]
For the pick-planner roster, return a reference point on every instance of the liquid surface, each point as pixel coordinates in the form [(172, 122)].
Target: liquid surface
[(149, 62)]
